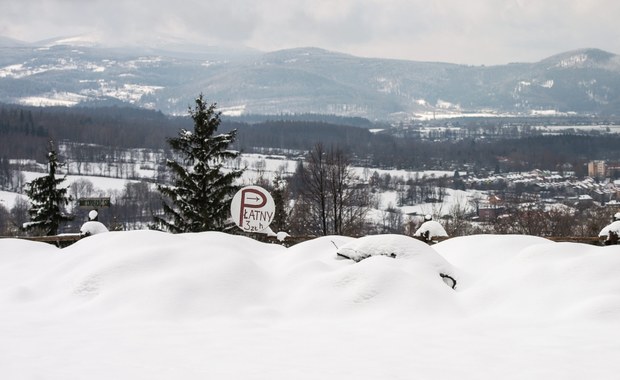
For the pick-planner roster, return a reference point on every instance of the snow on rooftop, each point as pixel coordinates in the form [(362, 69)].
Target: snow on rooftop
[(146, 304)]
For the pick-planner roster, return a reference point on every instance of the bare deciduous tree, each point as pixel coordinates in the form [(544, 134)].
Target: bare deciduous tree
[(329, 199)]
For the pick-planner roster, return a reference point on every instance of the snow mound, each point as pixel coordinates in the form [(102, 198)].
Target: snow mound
[(480, 254), (206, 275), (394, 246), (93, 228), (612, 227), (147, 304), (210, 274), (399, 247), (162, 275), (431, 228), (533, 277), (21, 261)]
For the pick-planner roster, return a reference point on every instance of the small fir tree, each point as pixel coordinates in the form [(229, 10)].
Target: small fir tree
[(48, 199), (199, 199)]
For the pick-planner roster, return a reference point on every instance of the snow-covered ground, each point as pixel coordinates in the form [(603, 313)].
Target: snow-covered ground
[(103, 184), (267, 167), (150, 305), (8, 199)]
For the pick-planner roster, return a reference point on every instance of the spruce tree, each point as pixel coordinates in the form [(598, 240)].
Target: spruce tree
[(48, 200), (199, 199)]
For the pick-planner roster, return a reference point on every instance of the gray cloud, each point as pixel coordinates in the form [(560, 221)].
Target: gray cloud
[(473, 32)]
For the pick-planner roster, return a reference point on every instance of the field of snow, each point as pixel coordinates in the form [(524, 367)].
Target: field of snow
[(267, 166), (103, 184), (151, 305), (7, 198), (559, 129)]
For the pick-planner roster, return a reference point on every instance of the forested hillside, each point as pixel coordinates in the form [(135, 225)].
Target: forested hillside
[(305, 80), (25, 131)]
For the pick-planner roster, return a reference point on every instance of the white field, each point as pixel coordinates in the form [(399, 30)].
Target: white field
[(266, 166), (150, 305)]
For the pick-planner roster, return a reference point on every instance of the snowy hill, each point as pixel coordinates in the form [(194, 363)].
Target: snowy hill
[(150, 305), (76, 70)]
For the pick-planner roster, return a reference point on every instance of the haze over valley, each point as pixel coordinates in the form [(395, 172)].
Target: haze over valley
[(74, 71)]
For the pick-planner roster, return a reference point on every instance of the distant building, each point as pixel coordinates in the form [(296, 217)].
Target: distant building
[(601, 169), (597, 169), (491, 209), (585, 200)]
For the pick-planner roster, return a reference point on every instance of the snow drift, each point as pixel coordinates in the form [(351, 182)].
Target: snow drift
[(150, 305)]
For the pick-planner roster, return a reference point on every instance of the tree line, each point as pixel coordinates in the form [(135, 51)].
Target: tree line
[(198, 193), (323, 196), (24, 132)]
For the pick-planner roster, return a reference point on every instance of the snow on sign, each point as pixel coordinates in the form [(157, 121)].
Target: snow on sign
[(252, 209)]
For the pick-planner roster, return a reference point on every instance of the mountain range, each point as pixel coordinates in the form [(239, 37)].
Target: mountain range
[(73, 72)]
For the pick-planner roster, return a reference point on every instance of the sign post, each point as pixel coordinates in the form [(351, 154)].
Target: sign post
[(94, 202), (252, 208)]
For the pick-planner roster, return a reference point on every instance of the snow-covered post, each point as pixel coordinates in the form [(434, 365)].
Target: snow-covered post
[(92, 227), (430, 229), (611, 232)]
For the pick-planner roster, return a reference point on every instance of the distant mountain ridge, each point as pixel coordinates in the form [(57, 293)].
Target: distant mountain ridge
[(73, 72)]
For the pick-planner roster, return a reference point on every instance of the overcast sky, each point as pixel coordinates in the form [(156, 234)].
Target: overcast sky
[(457, 31)]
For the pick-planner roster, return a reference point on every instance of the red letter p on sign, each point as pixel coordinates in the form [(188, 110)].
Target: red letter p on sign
[(252, 209)]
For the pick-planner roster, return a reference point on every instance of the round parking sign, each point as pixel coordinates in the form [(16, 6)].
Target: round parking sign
[(252, 209)]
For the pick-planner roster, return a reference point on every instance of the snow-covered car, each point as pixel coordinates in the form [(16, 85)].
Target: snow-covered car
[(400, 247)]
